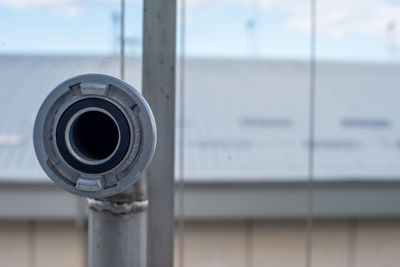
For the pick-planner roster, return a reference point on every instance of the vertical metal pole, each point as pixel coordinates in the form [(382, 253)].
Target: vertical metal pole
[(159, 33), (122, 55)]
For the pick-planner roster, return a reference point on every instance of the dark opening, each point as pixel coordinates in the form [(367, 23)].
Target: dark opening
[(95, 135)]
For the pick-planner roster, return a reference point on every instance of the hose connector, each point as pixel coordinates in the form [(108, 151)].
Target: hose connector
[(94, 135)]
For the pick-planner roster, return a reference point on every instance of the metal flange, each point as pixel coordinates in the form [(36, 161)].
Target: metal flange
[(94, 135)]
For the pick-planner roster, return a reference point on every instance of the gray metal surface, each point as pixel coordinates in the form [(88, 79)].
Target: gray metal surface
[(86, 165), (264, 140), (117, 239), (159, 45), (139, 131)]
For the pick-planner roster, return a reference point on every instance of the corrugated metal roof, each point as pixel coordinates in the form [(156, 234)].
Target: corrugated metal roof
[(245, 120)]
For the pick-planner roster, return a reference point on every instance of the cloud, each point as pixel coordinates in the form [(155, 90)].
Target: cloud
[(335, 18), (63, 7), (68, 8), (340, 18)]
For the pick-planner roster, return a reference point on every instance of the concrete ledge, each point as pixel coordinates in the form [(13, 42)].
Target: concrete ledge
[(268, 200), (288, 200), (39, 201)]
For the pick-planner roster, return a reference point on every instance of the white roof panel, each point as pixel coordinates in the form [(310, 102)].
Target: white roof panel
[(245, 120)]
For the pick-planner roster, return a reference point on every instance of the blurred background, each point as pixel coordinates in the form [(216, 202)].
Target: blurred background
[(258, 183)]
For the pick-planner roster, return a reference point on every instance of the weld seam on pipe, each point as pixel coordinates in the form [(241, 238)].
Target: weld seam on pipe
[(118, 208)]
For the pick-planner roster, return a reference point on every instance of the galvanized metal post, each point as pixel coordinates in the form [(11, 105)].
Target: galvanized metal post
[(159, 39)]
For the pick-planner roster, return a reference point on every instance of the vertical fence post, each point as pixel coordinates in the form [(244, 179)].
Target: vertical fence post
[(159, 49)]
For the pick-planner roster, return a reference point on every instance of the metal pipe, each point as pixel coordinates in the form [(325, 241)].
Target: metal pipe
[(94, 136), (118, 228), (159, 39), (117, 234)]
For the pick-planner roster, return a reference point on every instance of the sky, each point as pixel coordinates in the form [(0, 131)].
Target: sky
[(347, 30)]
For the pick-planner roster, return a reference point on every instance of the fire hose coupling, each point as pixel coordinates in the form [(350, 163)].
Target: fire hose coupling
[(94, 135)]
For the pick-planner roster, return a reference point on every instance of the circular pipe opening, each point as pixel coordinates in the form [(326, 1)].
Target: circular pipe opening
[(94, 135)]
